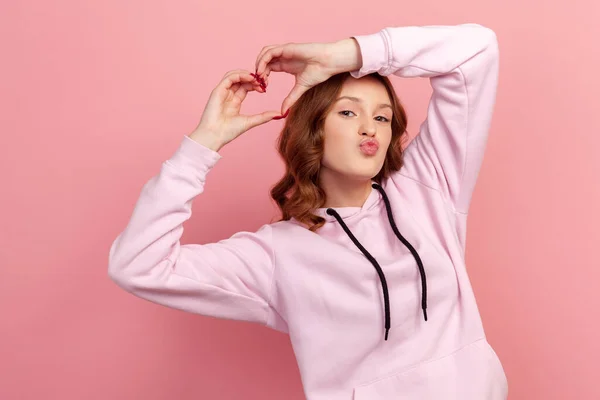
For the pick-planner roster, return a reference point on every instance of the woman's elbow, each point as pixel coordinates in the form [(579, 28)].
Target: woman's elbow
[(118, 269)]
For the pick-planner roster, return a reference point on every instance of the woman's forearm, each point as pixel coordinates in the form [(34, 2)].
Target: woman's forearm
[(346, 55)]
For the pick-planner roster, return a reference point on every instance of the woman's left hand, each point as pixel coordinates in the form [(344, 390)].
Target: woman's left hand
[(310, 63)]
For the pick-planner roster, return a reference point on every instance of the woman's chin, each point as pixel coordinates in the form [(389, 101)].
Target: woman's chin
[(363, 174), (357, 170)]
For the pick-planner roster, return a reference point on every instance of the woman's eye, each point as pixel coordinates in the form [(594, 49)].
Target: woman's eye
[(380, 120)]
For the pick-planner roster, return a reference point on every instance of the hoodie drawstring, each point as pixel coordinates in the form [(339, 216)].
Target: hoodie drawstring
[(373, 261)]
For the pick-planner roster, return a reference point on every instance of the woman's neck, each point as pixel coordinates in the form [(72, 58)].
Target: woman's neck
[(345, 192)]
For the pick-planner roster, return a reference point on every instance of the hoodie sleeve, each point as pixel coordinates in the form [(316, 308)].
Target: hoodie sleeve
[(230, 279), (462, 64)]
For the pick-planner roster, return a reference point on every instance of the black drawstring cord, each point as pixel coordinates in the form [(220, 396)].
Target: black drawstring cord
[(386, 297), (410, 247)]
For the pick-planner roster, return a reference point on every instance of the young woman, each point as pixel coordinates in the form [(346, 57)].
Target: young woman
[(366, 269)]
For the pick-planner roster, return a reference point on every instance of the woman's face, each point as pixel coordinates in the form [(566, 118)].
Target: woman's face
[(358, 130)]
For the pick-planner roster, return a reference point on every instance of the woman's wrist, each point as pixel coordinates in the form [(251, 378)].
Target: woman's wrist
[(207, 139), (346, 55)]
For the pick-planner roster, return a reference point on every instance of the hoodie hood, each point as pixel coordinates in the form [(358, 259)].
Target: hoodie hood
[(349, 212)]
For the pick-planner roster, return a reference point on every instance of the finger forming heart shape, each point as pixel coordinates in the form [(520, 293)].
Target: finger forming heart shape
[(261, 81), (263, 85)]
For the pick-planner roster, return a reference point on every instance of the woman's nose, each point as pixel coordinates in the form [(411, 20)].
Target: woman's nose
[(368, 131), (368, 128)]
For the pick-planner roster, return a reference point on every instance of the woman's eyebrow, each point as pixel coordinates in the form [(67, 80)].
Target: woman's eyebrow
[(356, 99)]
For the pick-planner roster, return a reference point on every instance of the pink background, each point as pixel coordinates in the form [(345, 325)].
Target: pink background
[(95, 95)]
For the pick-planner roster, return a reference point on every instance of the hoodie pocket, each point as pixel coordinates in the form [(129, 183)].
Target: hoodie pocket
[(472, 373)]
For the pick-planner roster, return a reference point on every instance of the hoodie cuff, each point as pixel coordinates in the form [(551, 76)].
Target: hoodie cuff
[(375, 52), (192, 156)]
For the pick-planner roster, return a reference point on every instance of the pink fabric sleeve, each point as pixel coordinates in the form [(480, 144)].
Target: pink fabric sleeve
[(229, 279), (462, 64)]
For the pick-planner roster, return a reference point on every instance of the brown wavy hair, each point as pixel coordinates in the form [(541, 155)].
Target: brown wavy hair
[(300, 144)]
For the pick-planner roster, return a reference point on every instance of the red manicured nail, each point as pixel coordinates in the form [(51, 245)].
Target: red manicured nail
[(258, 78), (260, 81), (282, 116)]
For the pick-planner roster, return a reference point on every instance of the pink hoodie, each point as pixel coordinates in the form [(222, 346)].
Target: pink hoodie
[(339, 292)]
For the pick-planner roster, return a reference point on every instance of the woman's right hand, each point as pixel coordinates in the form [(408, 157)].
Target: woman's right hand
[(310, 63), (221, 121)]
